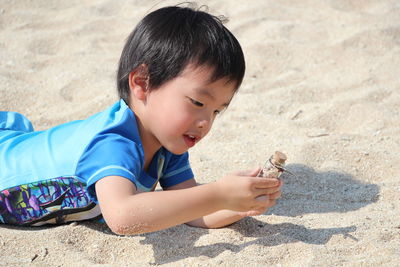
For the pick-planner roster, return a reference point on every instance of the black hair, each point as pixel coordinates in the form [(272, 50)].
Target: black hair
[(168, 39)]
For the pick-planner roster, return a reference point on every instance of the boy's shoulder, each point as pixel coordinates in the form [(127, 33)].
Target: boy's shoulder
[(118, 118)]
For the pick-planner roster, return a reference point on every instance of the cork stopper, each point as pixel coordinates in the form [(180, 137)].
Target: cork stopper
[(279, 158)]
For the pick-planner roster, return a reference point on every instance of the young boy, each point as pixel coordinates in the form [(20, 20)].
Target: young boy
[(178, 70)]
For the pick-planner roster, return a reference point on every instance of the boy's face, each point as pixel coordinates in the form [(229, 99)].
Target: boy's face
[(181, 112)]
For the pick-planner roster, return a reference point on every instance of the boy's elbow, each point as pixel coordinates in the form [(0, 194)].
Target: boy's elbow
[(120, 227), (119, 230), (125, 229)]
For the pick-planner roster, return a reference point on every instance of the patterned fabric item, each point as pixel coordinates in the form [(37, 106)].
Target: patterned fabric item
[(53, 201)]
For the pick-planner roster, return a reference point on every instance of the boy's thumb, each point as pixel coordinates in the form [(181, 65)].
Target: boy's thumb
[(255, 171)]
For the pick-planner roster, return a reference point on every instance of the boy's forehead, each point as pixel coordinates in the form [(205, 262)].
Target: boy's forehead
[(198, 71), (204, 73)]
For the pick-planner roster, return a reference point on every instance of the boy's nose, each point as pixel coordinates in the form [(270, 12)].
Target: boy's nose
[(203, 123)]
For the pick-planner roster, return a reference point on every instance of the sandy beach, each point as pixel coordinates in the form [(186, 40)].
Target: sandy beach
[(322, 85)]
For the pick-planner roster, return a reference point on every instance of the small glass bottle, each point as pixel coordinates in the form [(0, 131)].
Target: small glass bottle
[(274, 166)]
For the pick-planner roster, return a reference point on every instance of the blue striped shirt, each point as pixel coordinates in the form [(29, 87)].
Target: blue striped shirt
[(105, 144)]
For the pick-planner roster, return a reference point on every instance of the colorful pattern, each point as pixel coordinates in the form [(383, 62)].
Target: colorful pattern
[(47, 201)]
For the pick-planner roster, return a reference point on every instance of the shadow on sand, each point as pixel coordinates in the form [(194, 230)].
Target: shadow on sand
[(307, 192)]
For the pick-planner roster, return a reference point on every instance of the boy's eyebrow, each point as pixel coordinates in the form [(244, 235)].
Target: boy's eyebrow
[(225, 105), (206, 93)]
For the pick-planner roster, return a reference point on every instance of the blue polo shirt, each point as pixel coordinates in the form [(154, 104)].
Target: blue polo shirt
[(105, 144)]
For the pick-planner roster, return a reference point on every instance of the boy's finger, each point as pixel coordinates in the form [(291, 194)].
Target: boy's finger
[(266, 182), (275, 195), (267, 191)]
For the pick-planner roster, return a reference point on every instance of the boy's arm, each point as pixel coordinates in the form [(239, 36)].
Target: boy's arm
[(222, 218), (127, 211)]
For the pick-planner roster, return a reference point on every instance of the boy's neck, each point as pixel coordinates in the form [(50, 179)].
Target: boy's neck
[(150, 147)]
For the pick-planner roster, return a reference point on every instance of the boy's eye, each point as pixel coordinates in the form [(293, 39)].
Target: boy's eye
[(196, 103), (216, 112)]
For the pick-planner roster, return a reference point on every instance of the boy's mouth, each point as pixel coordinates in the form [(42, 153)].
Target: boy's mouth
[(190, 140)]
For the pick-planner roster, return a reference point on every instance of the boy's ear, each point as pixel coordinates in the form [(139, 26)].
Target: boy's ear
[(139, 82)]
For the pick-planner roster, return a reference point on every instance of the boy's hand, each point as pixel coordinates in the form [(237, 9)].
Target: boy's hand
[(248, 194)]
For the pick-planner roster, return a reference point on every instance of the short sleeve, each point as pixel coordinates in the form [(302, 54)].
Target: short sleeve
[(176, 170), (110, 155)]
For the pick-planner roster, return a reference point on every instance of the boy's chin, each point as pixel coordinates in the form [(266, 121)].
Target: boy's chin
[(175, 150)]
